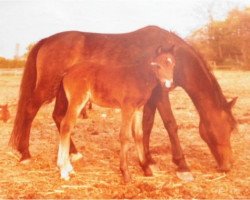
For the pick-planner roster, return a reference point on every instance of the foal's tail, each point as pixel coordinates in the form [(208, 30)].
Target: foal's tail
[(28, 84)]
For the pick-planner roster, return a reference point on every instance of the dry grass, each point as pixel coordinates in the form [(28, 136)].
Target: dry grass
[(98, 174)]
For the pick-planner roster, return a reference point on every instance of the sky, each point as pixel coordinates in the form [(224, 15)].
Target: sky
[(27, 21)]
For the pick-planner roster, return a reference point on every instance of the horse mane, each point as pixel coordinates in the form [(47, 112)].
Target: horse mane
[(214, 89)]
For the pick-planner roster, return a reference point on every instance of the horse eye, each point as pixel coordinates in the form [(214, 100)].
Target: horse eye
[(169, 61)]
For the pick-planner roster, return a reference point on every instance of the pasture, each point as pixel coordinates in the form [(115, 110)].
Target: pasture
[(98, 174)]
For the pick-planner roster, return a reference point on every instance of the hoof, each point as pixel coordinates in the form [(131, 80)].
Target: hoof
[(75, 156), (224, 168), (126, 177), (65, 177), (25, 162), (65, 174), (150, 160), (73, 172), (148, 172), (185, 176)]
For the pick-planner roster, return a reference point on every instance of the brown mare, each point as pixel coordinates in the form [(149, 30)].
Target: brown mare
[(53, 56), (125, 87)]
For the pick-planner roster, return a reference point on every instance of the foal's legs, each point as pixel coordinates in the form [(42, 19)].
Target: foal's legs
[(58, 114), (67, 124), (138, 137), (126, 126)]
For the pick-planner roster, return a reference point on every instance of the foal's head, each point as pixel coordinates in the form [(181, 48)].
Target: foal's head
[(163, 65)]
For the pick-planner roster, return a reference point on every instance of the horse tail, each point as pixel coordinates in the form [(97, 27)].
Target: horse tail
[(27, 87)]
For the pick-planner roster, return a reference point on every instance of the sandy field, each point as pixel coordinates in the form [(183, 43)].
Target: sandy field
[(98, 174)]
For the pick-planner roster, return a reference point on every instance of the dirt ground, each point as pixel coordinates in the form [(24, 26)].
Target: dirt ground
[(98, 175)]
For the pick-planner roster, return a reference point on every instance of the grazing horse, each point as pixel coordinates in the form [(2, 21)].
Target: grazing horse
[(51, 57), (124, 87)]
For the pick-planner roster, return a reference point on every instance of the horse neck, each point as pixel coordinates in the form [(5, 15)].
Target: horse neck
[(203, 101), (200, 84)]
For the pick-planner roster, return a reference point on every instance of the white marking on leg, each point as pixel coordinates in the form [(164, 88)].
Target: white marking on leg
[(65, 175), (26, 161), (63, 161), (75, 156)]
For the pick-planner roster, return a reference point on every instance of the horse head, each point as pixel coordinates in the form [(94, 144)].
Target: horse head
[(217, 132), (163, 65), (216, 119)]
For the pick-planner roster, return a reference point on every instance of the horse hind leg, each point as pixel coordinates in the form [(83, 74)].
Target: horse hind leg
[(29, 113), (58, 114), (66, 126), (138, 137)]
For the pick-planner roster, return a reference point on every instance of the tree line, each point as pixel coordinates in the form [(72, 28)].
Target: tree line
[(226, 43), (11, 63)]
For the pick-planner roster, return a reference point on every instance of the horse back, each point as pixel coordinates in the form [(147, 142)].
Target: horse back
[(62, 51)]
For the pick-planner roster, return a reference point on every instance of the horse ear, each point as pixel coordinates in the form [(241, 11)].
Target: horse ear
[(231, 103), (171, 49), (159, 50)]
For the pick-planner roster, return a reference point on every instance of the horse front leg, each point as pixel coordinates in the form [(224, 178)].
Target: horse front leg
[(138, 137), (165, 111), (147, 125), (169, 121), (126, 126)]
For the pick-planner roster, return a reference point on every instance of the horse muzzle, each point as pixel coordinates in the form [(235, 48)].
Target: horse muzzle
[(168, 83)]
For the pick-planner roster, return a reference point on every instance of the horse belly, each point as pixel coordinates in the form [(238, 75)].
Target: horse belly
[(104, 100)]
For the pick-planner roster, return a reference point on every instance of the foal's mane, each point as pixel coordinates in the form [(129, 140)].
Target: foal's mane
[(214, 88)]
